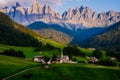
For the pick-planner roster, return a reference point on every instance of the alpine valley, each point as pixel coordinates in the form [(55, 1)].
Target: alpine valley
[(39, 43), (72, 27)]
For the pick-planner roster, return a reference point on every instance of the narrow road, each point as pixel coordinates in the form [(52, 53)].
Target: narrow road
[(18, 73)]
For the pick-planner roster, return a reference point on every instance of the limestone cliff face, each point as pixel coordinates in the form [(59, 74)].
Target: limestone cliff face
[(18, 14), (38, 12), (87, 18)]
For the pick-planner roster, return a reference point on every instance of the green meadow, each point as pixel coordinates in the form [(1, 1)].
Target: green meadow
[(11, 65), (81, 71), (29, 51)]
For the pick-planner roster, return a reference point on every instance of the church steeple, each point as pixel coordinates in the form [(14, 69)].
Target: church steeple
[(61, 53)]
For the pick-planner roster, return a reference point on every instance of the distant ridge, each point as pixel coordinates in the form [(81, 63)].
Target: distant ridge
[(108, 39), (50, 32)]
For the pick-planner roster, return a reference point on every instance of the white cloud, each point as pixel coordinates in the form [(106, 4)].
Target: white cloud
[(25, 3), (4, 3), (53, 2)]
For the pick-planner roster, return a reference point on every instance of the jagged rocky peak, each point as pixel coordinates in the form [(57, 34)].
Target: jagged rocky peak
[(88, 18), (69, 14), (86, 11), (112, 13), (64, 14), (82, 8), (94, 15), (76, 10), (17, 13), (36, 8), (102, 15), (83, 11), (20, 8), (17, 8), (47, 10)]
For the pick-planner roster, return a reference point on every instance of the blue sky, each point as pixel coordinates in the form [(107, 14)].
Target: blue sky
[(62, 5), (95, 5)]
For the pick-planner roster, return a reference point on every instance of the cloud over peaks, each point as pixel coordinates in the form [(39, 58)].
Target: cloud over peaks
[(4, 3), (26, 3), (54, 2)]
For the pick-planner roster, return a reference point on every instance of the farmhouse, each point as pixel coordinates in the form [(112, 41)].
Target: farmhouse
[(92, 59), (39, 59), (1, 51), (92, 49)]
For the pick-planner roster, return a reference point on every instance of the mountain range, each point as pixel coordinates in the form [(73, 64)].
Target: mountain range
[(80, 25), (72, 19)]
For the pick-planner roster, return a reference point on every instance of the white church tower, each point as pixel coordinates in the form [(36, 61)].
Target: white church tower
[(61, 53)]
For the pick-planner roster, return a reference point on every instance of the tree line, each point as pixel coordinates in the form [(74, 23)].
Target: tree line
[(105, 57), (12, 52)]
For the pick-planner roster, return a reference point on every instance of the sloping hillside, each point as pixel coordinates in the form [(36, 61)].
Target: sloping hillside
[(12, 33), (50, 32), (109, 39)]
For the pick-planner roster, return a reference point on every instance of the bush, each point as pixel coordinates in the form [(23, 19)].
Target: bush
[(45, 48), (107, 61), (12, 52), (74, 59), (46, 59), (73, 51)]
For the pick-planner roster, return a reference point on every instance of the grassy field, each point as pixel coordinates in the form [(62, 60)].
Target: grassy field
[(71, 72), (87, 51), (78, 58), (10, 65), (58, 45), (81, 71), (29, 51)]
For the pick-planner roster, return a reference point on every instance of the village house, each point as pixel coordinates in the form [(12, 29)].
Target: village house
[(113, 58), (92, 59), (39, 59), (61, 59), (1, 51), (92, 49)]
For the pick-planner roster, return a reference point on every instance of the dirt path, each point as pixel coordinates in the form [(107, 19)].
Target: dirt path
[(18, 73)]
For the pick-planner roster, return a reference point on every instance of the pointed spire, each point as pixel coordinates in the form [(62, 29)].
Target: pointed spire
[(61, 53)]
